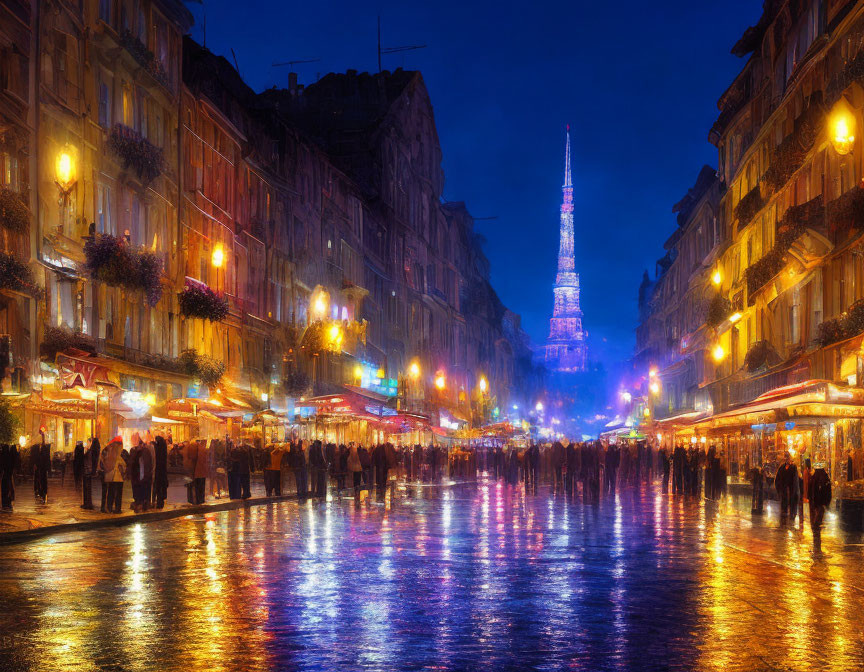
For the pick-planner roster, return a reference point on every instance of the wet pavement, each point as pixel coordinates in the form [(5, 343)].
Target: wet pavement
[(462, 577)]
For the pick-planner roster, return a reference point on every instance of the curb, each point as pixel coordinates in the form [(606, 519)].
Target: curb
[(18, 536)]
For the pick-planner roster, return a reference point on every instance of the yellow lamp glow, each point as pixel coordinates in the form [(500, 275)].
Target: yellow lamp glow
[(717, 277), (22, 440), (381, 373), (718, 353), (734, 317), (150, 399), (483, 384), (264, 397), (841, 136), (64, 170), (218, 256), (440, 381), (655, 388), (358, 371), (652, 373), (646, 411), (414, 369), (335, 333), (319, 305)]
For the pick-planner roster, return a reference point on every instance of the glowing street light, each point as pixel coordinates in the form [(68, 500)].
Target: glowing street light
[(440, 381), (483, 384), (718, 353), (218, 256), (734, 317), (539, 406), (653, 372), (64, 171), (841, 135), (655, 388), (358, 372), (319, 305), (414, 370), (717, 277), (626, 397)]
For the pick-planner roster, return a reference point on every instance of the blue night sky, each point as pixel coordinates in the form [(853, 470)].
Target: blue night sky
[(638, 82)]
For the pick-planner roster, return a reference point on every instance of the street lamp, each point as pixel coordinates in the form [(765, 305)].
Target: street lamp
[(717, 277), (841, 133), (539, 407), (655, 388), (319, 304), (718, 353), (483, 384), (440, 381), (414, 369), (64, 171), (218, 256)]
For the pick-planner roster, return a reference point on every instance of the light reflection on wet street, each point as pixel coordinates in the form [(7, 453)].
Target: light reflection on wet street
[(471, 576)]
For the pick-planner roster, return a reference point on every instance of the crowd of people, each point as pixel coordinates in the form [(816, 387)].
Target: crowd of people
[(586, 469)]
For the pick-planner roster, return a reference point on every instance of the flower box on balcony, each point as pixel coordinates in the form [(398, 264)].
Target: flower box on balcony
[(115, 262), (137, 152), (17, 276)]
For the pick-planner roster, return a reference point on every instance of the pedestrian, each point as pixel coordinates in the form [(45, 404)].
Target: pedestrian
[(141, 474), (354, 467), (8, 465), (366, 463), (41, 461), (297, 460), (612, 459), (160, 471), (113, 467), (318, 468), (558, 458), (819, 497), (234, 457), (785, 483), (273, 470), (342, 467), (78, 463), (679, 459), (245, 463), (850, 466), (666, 464), (756, 499)]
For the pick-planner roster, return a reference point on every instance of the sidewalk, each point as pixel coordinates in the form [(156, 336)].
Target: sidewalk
[(31, 519)]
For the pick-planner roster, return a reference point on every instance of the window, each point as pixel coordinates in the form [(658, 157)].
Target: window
[(104, 100), (104, 222)]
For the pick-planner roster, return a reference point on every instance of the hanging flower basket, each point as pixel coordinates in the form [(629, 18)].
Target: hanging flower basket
[(760, 354), (203, 302), (17, 276), (206, 369), (14, 215), (113, 261), (789, 155), (137, 152)]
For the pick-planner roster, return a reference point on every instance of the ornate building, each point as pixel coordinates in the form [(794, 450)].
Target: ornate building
[(566, 349)]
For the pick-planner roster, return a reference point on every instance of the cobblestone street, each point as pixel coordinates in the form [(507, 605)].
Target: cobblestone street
[(441, 577)]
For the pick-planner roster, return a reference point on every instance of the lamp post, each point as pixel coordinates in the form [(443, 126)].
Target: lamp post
[(65, 176)]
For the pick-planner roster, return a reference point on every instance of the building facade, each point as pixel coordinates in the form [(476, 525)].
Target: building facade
[(776, 349), (177, 243)]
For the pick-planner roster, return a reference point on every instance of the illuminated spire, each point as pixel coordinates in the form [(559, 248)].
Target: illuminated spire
[(568, 182)]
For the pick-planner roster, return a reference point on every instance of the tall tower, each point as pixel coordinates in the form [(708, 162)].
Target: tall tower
[(566, 349)]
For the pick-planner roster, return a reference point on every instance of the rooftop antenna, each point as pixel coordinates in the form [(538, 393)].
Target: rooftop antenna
[(236, 65), (392, 50), (290, 63)]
